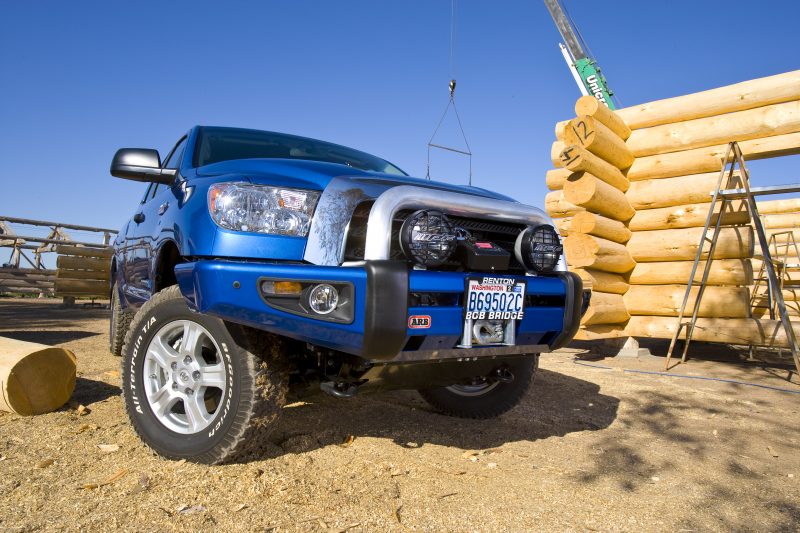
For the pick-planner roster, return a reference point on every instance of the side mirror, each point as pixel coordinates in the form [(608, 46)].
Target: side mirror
[(140, 164)]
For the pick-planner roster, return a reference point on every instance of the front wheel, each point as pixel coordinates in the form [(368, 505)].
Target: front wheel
[(482, 397), (197, 388)]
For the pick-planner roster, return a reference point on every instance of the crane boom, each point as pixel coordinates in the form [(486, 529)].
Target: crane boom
[(584, 69)]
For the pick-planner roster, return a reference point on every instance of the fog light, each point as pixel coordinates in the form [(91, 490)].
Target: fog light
[(428, 238), (323, 299), (539, 248)]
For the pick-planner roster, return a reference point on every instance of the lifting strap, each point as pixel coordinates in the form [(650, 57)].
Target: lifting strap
[(450, 103)]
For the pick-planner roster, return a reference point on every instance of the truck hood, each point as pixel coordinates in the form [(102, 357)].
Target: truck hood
[(317, 175)]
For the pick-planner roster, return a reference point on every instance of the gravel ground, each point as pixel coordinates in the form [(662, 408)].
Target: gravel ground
[(589, 449)]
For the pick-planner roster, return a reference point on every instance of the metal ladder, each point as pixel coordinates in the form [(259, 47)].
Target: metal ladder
[(780, 260), (734, 157)]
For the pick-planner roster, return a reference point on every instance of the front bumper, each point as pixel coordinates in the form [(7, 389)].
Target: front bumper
[(382, 291)]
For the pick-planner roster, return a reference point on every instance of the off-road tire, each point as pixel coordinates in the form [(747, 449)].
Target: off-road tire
[(256, 380), (120, 322), (494, 402)]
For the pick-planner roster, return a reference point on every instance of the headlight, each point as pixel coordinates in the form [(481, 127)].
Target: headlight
[(538, 248), (262, 209)]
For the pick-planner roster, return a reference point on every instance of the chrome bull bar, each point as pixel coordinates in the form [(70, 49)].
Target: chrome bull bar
[(379, 225)]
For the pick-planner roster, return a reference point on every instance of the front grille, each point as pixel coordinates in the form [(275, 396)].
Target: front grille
[(502, 234)]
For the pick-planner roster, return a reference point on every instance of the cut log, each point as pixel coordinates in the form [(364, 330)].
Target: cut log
[(27, 277), (760, 310), (596, 253), (605, 308), (600, 226), (746, 95), (555, 178), (22, 282), (665, 300), (26, 290), (782, 236), (598, 139), (687, 216), (560, 125), (667, 192), (792, 281), (586, 190), (579, 159), (681, 244), (789, 205), (743, 331), (723, 272), (602, 281), (65, 287), (709, 159), (563, 225), (103, 275), (600, 331), (781, 221), (555, 153), (26, 271), (790, 295), (82, 263), (557, 207), (85, 251), (591, 106), (755, 123), (34, 378)]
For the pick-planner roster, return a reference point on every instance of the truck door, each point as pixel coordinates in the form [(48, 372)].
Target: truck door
[(146, 231)]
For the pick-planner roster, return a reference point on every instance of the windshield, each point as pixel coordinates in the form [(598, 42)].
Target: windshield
[(225, 144)]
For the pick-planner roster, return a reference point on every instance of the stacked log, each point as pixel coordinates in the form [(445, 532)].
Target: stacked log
[(27, 281), (781, 220), (641, 249), (590, 209), (679, 145), (83, 271)]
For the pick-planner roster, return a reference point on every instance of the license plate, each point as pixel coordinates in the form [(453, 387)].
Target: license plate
[(492, 308), (494, 298)]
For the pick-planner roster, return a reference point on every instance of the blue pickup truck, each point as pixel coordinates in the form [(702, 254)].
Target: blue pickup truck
[(258, 259)]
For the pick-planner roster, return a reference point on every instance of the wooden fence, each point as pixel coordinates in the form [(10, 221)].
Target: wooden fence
[(83, 267)]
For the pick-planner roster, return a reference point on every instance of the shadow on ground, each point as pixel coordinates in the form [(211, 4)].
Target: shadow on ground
[(50, 337), (555, 405), (89, 391), (32, 314)]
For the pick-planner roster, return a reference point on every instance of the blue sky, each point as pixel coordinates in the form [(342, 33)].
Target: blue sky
[(80, 79)]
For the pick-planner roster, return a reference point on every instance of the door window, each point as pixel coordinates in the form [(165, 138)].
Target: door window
[(174, 159)]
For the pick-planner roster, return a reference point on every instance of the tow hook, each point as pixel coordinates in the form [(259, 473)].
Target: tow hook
[(339, 389), (503, 375)]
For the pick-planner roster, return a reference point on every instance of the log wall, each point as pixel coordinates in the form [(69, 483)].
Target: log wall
[(633, 211), (590, 208)]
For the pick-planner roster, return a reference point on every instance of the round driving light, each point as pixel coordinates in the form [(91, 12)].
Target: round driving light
[(427, 237), (539, 248), (323, 299)]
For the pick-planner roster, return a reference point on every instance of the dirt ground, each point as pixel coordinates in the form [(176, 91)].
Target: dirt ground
[(589, 449)]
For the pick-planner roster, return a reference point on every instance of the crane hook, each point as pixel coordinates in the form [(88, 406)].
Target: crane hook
[(452, 88)]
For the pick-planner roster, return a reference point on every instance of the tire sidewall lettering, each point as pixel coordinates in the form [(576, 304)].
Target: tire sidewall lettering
[(139, 348), (226, 354)]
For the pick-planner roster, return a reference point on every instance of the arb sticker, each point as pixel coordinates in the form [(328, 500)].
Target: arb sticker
[(419, 321)]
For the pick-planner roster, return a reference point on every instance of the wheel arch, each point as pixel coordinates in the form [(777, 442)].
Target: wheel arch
[(167, 257)]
